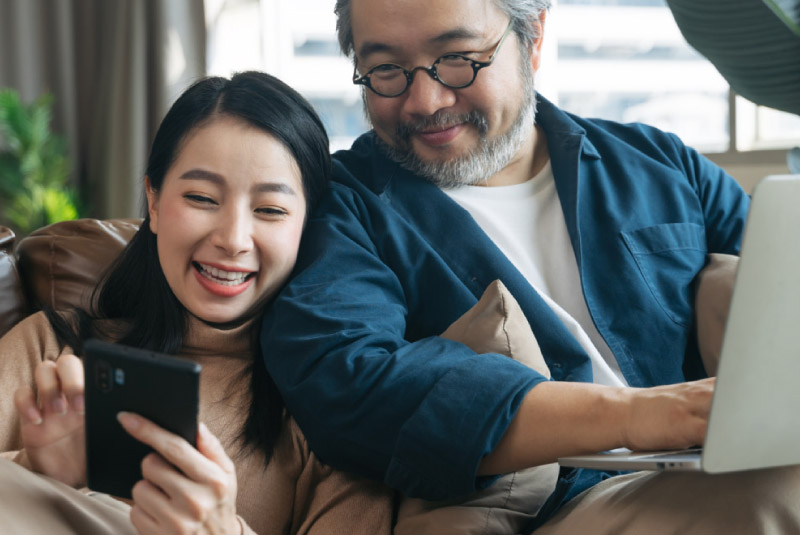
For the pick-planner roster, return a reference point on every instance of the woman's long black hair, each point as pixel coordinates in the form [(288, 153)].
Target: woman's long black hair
[(135, 289)]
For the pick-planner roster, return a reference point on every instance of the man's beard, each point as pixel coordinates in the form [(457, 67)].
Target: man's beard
[(488, 158)]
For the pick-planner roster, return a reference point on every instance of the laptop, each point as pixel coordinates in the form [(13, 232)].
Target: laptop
[(755, 409)]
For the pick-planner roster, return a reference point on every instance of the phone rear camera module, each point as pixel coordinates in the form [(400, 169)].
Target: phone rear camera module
[(103, 376)]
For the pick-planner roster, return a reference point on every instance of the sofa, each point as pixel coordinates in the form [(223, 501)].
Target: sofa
[(57, 265)]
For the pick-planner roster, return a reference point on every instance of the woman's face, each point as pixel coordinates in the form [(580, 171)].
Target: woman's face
[(228, 220)]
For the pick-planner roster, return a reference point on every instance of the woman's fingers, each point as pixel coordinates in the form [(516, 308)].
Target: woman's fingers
[(25, 403), (70, 375), (184, 489), (60, 384), (169, 481), (51, 399), (52, 428), (149, 505), (210, 446), (173, 448)]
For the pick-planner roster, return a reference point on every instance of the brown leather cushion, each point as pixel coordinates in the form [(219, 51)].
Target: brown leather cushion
[(714, 287), (63, 262), (13, 305)]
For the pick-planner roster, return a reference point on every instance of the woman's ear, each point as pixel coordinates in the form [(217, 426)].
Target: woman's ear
[(152, 204)]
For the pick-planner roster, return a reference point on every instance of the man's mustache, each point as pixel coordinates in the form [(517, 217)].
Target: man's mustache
[(441, 120)]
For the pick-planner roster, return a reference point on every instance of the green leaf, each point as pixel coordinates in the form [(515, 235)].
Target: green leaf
[(10, 175), (58, 206), (34, 167)]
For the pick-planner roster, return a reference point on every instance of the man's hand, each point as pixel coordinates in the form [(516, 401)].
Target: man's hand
[(559, 419), (668, 417)]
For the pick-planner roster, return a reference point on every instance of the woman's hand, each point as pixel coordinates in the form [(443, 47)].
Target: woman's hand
[(184, 490), (52, 426)]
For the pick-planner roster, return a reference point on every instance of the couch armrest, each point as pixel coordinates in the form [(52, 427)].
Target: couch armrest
[(61, 263)]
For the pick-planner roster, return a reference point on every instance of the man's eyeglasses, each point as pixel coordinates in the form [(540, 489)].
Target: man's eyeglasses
[(451, 70)]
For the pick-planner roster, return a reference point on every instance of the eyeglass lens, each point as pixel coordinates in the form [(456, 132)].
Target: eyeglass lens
[(452, 70)]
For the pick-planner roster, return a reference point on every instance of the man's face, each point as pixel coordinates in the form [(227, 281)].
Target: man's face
[(451, 136)]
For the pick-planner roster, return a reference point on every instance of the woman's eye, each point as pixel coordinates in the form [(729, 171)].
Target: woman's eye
[(199, 198), (270, 211)]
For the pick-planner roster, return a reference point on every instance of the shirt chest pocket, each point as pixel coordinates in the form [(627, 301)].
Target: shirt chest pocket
[(668, 257)]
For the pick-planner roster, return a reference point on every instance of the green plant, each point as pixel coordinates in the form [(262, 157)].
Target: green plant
[(34, 167)]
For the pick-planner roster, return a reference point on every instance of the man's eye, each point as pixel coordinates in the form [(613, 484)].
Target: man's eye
[(386, 71), (385, 67), (455, 60)]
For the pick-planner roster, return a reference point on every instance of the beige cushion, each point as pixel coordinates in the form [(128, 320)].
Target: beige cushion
[(714, 288), (495, 324)]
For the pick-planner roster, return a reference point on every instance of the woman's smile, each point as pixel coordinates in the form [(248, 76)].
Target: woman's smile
[(228, 220), (221, 282)]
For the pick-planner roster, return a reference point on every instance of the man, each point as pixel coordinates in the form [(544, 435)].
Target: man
[(427, 210)]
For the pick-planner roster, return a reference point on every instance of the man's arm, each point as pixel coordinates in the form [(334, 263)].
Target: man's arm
[(558, 419), (418, 415)]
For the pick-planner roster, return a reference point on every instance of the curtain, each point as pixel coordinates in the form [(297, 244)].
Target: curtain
[(114, 68), (754, 44)]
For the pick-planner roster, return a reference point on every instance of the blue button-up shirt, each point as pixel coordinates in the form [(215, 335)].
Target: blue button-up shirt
[(388, 261)]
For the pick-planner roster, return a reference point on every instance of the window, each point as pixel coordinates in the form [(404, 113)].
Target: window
[(295, 41), (624, 60)]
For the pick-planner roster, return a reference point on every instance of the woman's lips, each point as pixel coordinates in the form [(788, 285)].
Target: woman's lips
[(221, 287)]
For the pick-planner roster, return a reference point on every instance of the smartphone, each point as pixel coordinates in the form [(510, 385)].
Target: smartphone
[(162, 388)]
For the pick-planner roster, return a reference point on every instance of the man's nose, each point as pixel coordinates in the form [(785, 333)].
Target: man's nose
[(425, 96)]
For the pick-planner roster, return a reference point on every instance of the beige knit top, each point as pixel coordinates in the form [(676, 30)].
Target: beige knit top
[(294, 493)]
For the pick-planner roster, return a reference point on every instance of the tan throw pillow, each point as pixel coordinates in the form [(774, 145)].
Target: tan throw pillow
[(495, 324), (714, 288)]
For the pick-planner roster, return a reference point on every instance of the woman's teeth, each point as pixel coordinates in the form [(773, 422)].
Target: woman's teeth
[(226, 278)]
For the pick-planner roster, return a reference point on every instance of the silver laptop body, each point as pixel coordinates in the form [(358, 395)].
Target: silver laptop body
[(755, 410)]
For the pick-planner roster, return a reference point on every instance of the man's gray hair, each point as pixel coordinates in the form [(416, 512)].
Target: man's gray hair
[(523, 13)]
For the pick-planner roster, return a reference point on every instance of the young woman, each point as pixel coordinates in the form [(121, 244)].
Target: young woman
[(234, 169)]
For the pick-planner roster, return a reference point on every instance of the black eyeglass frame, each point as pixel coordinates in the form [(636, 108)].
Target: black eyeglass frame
[(364, 79)]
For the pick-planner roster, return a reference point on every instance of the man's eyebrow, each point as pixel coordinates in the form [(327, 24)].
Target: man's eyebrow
[(215, 178), (373, 47)]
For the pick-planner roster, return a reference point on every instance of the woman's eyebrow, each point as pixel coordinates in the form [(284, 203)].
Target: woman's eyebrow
[(202, 174), (274, 187), (216, 178)]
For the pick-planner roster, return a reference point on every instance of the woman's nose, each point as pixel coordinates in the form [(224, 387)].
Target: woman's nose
[(235, 233)]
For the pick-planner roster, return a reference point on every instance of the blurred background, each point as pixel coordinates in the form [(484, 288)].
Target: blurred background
[(113, 67)]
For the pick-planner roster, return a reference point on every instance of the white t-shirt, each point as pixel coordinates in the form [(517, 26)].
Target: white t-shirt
[(526, 222)]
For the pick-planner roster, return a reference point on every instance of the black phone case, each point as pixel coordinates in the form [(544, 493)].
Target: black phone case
[(162, 388)]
